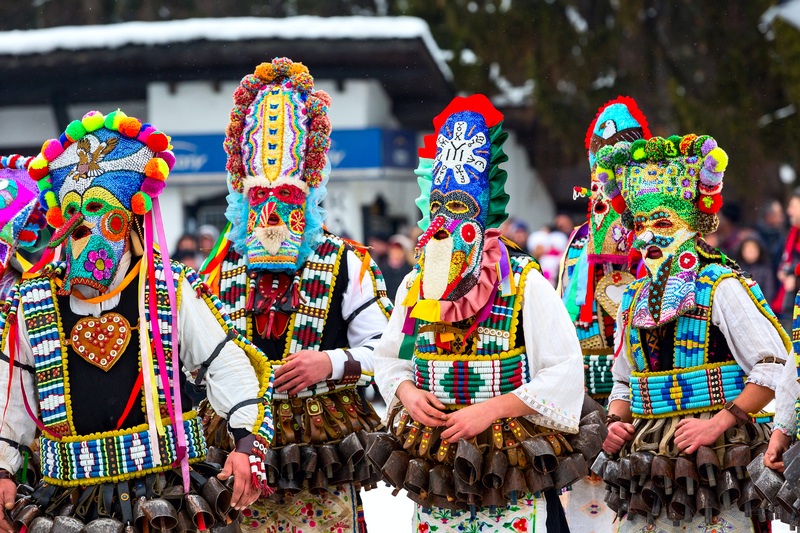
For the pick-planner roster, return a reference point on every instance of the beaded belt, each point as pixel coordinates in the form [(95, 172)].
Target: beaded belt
[(599, 379), (467, 381), (685, 390), (117, 456)]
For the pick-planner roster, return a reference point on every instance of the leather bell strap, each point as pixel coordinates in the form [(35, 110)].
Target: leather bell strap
[(352, 370), (742, 418)]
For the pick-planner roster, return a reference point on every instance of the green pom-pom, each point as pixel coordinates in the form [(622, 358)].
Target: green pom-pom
[(50, 199), (655, 148), (638, 152), (609, 187), (605, 157), (109, 123), (622, 153), (672, 146), (698, 144), (44, 183), (75, 130)]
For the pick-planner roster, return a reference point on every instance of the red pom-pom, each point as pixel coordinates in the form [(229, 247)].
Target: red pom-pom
[(321, 123), (158, 142), (38, 173), (710, 204), (797, 270), (618, 203), (322, 95), (54, 217)]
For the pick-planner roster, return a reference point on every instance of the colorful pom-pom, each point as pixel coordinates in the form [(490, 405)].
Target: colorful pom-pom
[(686, 143), (44, 184), (324, 97), (230, 145), (621, 153), (318, 142), (152, 187), (710, 204), (51, 149), (716, 159), (64, 140), (109, 121), (708, 145), (298, 68), (50, 199), (54, 217), (141, 203), (638, 152), (168, 157), (282, 65), (303, 82), (38, 168), (118, 118), (604, 157), (710, 190), (315, 106), (672, 146), (75, 130), (709, 178), (619, 205), (313, 177), (93, 121), (252, 83), (158, 142), (130, 126), (610, 190), (603, 175), (655, 149), (266, 72), (157, 169), (145, 132), (242, 97), (234, 129)]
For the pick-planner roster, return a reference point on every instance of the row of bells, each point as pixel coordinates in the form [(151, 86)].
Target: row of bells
[(780, 491)]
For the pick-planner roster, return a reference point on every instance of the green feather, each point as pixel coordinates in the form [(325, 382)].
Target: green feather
[(498, 198)]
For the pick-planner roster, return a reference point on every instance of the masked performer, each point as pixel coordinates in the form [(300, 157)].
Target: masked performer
[(479, 365), (97, 347), (595, 271), (314, 304), (699, 348)]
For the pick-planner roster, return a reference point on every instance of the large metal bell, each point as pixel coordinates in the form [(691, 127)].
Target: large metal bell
[(394, 471), (540, 454), (198, 510), (290, 461), (514, 486), (66, 524), (381, 447), (686, 475), (41, 524), (468, 463), (351, 451), (104, 525), (495, 465)]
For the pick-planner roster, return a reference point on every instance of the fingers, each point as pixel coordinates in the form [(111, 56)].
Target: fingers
[(226, 471), (239, 488), (423, 418), (433, 400), (5, 527), (296, 387), (8, 493), (286, 377), (432, 412), (281, 370)]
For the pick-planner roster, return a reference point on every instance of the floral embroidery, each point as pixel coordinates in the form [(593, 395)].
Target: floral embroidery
[(99, 264)]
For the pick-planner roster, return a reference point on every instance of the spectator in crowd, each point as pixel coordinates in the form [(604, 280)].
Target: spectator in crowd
[(538, 243), (187, 257), (564, 223), (187, 243), (207, 236), (772, 230), (518, 233), (551, 260), (784, 301), (379, 247), (728, 232), (754, 259), (396, 265)]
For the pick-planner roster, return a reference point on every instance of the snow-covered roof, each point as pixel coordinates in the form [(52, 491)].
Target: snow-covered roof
[(26, 42)]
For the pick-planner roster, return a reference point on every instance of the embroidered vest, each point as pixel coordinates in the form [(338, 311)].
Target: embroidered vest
[(695, 383), (321, 282), (490, 362), (69, 458)]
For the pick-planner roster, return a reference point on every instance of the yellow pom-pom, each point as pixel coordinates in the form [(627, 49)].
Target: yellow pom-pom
[(720, 157), (156, 168), (38, 162), (93, 121), (118, 119), (265, 71)]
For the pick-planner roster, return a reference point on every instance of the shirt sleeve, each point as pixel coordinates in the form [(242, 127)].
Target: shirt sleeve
[(230, 378), (786, 395), (18, 426), (751, 336), (621, 369), (367, 321), (390, 370), (555, 360)]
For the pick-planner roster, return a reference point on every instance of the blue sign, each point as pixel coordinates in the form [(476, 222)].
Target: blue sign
[(350, 149)]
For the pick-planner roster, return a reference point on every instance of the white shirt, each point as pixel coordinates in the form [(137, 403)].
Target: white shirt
[(750, 335), (786, 395), (555, 361), (230, 377)]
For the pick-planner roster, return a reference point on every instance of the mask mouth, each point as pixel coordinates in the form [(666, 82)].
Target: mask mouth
[(654, 252), (81, 233), (441, 235), (273, 220)]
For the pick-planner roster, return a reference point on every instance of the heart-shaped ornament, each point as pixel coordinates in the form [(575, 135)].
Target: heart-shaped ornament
[(610, 289), (102, 340)]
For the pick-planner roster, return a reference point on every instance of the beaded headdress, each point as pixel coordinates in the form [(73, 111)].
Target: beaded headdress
[(682, 173), (21, 217)]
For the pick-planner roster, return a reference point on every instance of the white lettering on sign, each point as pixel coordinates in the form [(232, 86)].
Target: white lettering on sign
[(457, 152)]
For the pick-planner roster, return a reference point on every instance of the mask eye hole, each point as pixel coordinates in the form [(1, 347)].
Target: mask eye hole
[(71, 210), (435, 206), (639, 227), (94, 207), (663, 223), (457, 207), (284, 192)]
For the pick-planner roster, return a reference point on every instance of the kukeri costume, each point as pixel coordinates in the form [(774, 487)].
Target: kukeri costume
[(595, 272), (689, 337), (98, 347), (478, 320), (291, 286)]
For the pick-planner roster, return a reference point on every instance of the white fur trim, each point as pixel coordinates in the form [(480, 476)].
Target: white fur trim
[(438, 254)]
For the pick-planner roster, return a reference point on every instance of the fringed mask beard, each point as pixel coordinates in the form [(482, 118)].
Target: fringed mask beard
[(459, 199), (276, 223)]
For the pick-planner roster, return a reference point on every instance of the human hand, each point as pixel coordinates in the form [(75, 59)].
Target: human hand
[(8, 494), (467, 422), (618, 434), (691, 433), (302, 369), (423, 406), (244, 493), (778, 443)]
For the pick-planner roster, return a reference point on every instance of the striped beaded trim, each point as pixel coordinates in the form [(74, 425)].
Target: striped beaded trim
[(599, 380), (113, 457)]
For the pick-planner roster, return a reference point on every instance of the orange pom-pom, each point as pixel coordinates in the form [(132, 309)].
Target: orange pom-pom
[(130, 126), (141, 203), (157, 169), (158, 142), (54, 217)]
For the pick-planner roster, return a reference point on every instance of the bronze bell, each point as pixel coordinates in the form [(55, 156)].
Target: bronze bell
[(641, 463), (198, 510), (216, 456), (686, 475), (381, 448), (41, 524), (637, 506), (308, 460), (441, 486), (653, 497), (682, 504), (184, 523), (66, 524), (514, 486), (540, 454), (468, 496), (495, 465), (613, 501), (468, 462), (290, 487), (707, 503), (624, 478), (416, 480), (26, 516), (749, 500), (708, 465), (768, 484), (728, 489), (362, 473), (493, 498), (394, 471), (19, 505), (139, 520), (272, 465), (569, 471), (104, 525), (424, 502), (351, 451), (318, 484), (67, 509), (175, 494), (787, 496), (736, 458), (589, 405), (290, 461), (674, 517), (611, 473), (662, 471), (329, 459), (218, 496), (587, 441), (342, 476), (537, 482), (229, 527)]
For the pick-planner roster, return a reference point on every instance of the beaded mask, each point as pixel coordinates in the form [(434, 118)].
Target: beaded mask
[(463, 200), (101, 172), (21, 217), (276, 144), (617, 120), (668, 192)]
